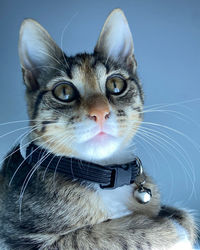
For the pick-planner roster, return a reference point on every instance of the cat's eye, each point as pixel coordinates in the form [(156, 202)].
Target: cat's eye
[(65, 92), (115, 85)]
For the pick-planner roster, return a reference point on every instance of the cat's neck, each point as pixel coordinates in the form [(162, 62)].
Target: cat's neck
[(121, 156), (115, 202)]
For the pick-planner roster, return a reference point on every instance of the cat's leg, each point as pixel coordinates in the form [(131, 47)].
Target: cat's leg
[(184, 224), (134, 232), (183, 242)]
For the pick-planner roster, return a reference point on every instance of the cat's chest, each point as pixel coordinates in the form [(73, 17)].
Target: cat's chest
[(116, 202)]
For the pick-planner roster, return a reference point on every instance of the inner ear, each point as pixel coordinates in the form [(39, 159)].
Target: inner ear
[(37, 52), (29, 79), (115, 41)]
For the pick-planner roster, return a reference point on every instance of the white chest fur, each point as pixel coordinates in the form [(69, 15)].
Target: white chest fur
[(116, 201)]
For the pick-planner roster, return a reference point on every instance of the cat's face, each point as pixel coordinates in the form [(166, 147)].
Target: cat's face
[(88, 106)]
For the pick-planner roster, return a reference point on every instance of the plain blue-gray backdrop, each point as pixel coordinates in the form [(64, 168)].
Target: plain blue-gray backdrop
[(167, 47)]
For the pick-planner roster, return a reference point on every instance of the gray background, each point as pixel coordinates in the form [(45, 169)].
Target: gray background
[(166, 37)]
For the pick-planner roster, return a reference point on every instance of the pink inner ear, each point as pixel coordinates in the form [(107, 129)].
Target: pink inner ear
[(115, 40), (30, 80), (36, 47)]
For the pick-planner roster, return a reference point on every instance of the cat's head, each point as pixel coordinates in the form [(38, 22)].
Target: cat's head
[(88, 106)]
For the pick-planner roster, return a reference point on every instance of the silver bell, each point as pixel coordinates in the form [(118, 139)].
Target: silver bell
[(143, 195)]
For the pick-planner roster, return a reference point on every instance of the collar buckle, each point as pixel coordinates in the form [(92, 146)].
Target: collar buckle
[(120, 176)]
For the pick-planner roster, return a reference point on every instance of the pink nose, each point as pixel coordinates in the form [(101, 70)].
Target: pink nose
[(99, 115)]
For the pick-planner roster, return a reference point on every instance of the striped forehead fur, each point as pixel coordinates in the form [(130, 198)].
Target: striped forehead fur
[(86, 68)]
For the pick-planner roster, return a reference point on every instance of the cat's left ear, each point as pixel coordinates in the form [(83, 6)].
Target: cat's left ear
[(115, 41), (37, 51)]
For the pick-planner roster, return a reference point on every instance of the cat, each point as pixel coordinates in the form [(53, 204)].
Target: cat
[(86, 107)]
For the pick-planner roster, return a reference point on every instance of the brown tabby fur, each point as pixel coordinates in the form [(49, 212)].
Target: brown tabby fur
[(56, 213)]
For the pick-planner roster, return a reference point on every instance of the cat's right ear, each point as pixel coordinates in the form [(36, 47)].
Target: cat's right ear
[(37, 52), (115, 41)]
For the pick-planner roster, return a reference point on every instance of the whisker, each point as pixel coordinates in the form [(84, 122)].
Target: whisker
[(37, 165), (176, 114), (54, 175), (180, 115), (60, 142), (151, 156), (19, 138), (50, 56), (51, 67), (30, 174), (161, 105), (180, 150), (32, 171), (141, 136), (150, 131), (20, 121), (159, 141), (13, 131), (62, 36), (27, 133), (196, 145), (35, 139)]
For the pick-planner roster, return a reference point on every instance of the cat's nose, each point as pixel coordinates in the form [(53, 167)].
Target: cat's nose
[(99, 115)]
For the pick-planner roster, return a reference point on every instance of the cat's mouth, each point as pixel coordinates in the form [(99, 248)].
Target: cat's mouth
[(99, 146), (98, 138), (101, 133), (102, 141), (101, 137)]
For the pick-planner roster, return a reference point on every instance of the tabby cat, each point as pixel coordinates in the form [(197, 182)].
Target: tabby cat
[(87, 107)]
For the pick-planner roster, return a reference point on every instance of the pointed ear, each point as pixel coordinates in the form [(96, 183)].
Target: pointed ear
[(37, 51), (115, 41)]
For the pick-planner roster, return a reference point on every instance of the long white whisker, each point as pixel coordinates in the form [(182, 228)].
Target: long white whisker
[(37, 165), (151, 156), (62, 36), (51, 67), (27, 156), (161, 105), (30, 174), (197, 147), (27, 133), (141, 136), (28, 120), (187, 159), (180, 115), (59, 142), (32, 171), (54, 175), (50, 56), (13, 131), (19, 138), (35, 139), (159, 141)]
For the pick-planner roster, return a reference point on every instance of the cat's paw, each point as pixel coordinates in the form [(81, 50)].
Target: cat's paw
[(183, 242), (182, 245), (184, 223)]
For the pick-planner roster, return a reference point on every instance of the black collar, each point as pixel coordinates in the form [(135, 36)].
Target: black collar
[(110, 176)]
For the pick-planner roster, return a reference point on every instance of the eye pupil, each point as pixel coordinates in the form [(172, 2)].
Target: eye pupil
[(64, 91), (65, 95), (115, 88)]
